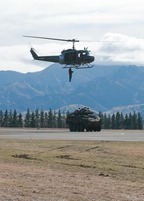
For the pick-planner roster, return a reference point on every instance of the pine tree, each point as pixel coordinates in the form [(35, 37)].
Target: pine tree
[(27, 119), (130, 121), (108, 122), (50, 119), (118, 121), (20, 121), (126, 122), (122, 121), (42, 119), (1, 118), (14, 119), (46, 120), (134, 121), (32, 120), (105, 121), (63, 117), (54, 125), (6, 119), (59, 120), (139, 121), (113, 122), (37, 119)]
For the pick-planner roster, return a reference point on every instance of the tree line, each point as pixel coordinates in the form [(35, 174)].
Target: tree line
[(32, 119), (119, 121), (51, 119)]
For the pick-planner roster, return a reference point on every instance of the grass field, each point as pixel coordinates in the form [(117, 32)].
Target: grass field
[(73, 170)]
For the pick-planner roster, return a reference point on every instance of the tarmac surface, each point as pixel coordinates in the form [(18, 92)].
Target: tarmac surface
[(65, 134)]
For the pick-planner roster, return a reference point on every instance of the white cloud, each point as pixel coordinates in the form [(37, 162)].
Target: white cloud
[(121, 49), (18, 58)]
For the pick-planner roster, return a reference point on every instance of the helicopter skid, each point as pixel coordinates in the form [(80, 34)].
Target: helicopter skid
[(79, 66)]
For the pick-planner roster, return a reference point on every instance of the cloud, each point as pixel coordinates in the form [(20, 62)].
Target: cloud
[(121, 48), (18, 58)]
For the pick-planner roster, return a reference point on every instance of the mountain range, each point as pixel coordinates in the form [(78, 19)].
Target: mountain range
[(101, 88)]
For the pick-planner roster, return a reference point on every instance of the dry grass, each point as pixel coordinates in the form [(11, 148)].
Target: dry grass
[(71, 170)]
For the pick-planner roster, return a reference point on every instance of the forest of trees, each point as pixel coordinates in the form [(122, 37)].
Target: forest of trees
[(120, 121), (51, 119), (32, 119)]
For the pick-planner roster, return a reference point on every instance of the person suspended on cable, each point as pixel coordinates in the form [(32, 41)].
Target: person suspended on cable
[(70, 74)]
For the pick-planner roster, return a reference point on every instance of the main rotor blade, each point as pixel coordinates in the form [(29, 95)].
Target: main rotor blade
[(69, 40)]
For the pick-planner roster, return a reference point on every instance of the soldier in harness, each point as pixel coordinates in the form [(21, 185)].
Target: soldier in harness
[(70, 74)]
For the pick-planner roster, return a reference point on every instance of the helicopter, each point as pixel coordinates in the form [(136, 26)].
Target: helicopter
[(71, 58)]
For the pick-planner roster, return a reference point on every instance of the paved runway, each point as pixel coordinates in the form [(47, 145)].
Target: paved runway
[(65, 134)]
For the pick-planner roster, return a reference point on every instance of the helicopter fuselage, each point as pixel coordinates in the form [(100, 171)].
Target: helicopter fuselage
[(71, 57)]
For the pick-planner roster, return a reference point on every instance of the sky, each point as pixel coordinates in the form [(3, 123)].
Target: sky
[(111, 29)]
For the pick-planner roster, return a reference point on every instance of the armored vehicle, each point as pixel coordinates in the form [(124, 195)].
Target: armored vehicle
[(83, 119)]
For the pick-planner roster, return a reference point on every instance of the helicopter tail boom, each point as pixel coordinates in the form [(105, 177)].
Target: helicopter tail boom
[(44, 58)]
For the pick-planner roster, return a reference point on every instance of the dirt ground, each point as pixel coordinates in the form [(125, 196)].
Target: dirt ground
[(40, 184), (69, 171)]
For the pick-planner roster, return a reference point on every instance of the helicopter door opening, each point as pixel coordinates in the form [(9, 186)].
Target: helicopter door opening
[(70, 58)]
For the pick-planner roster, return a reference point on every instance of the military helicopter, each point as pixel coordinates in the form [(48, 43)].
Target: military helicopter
[(71, 58)]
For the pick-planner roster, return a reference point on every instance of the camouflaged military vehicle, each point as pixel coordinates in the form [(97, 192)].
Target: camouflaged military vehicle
[(83, 119)]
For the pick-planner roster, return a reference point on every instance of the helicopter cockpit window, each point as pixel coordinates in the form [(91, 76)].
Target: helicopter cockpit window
[(86, 53), (81, 54)]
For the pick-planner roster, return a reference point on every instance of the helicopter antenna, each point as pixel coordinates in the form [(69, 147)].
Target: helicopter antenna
[(67, 40)]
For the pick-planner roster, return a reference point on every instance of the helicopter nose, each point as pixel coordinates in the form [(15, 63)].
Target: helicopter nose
[(92, 58), (89, 59)]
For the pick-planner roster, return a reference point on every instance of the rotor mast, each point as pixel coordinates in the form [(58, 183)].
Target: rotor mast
[(73, 42)]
